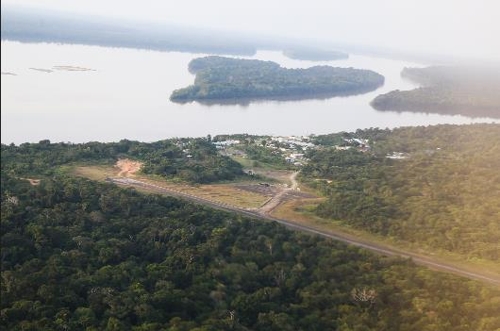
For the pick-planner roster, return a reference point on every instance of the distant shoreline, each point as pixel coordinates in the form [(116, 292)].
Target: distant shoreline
[(445, 90)]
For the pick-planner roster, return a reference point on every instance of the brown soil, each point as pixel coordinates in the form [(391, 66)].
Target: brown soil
[(128, 167), (33, 182)]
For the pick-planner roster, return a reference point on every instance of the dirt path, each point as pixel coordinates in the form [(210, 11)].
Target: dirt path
[(277, 199), (127, 167), (293, 179)]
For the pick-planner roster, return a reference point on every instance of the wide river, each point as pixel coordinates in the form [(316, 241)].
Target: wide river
[(75, 93)]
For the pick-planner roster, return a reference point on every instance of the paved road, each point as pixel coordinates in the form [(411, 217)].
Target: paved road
[(381, 249)]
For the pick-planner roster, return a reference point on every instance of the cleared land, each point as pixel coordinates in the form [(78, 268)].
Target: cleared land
[(292, 208), (243, 195)]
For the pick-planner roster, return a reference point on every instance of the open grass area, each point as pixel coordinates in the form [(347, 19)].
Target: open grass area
[(225, 193), (256, 164), (94, 172), (229, 194), (298, 210)]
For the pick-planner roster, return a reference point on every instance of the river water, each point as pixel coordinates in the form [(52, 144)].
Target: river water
[(76, 93)]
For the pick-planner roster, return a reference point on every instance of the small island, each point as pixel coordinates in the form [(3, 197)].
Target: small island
[(469, 91), (222, 80)]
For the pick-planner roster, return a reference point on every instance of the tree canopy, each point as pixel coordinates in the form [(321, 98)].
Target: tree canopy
[(466, 91), (219, 79), (79, 255), (436, 187), (82, 255), (189, 159)]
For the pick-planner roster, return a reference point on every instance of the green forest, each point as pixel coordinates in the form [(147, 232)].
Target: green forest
[(193, 160), (466, 91), (220, 78), (436, 187), (82, 255)]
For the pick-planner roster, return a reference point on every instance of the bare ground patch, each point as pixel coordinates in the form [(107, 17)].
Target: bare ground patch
[(128, 167), (32, 181)]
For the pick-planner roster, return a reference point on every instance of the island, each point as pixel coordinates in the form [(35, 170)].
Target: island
[(221, 79), (314, 54), (469, 91)]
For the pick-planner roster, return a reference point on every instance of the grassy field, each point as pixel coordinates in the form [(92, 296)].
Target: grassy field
[(256, 165), (98, 173), (225, 193)]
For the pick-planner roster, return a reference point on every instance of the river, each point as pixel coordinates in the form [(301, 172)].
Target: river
[(75, 93)]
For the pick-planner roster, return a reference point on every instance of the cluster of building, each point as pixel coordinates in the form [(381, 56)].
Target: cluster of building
[(292, 148), (360, 144)]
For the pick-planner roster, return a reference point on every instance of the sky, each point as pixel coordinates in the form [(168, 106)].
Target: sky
[(469, 28)]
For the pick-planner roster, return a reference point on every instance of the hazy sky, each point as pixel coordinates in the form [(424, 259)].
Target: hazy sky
[(466, 27)]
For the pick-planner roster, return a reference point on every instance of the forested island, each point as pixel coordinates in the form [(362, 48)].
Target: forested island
[(83, 255), (469, 91), (31, 25), (35, 26), (434, 187), (312, 54), (227, 79)]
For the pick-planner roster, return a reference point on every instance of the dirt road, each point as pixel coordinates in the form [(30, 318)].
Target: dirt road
[(262, 214), (276, 200)]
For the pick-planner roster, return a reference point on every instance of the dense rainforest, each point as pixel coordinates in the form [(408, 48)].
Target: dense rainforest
[(193, 160), (226, 79), (82, 255), (436, 186), (468, 91)]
